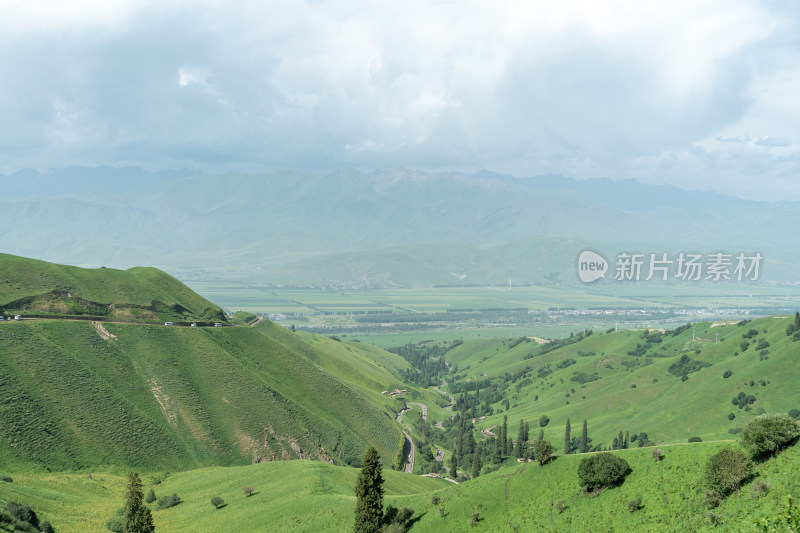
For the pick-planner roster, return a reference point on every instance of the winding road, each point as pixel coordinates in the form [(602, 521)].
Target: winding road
[(409, 468)]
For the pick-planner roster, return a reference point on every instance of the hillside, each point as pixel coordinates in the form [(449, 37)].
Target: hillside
[(32, 287), (622, 380), (313, 496), (80, 394)]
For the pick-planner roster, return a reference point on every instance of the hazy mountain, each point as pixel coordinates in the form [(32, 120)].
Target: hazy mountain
[(396, 227)]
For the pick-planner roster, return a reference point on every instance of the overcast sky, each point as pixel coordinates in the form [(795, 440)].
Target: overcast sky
[(698, 94)]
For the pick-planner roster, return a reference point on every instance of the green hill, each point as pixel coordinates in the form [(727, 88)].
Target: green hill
[(32, 287), (81, 394), (633, 380), (314, 496)]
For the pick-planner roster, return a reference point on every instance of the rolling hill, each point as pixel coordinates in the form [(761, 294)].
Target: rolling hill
[(80, 394)]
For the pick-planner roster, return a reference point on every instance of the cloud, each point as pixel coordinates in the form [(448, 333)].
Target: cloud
[(618, 89)]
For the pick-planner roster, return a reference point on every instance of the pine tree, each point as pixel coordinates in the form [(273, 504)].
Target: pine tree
[(453, 465), (504, 436), (476, 462), (138, 518), (510, 446), (620, 440), (497, 457), (369, 494), (525, 446), (625, 444), (567, 439), (520, 439), (797, 321), (541, 434), (615, 444), (584, 438)]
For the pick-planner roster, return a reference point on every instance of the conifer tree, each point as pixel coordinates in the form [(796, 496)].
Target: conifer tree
[(584, 438), (504, 436), (498, 456), (567, 439), (625, 444), (453, 465), (520, 439), (476, 462), (541, 434), (369, 494), (138, 518)]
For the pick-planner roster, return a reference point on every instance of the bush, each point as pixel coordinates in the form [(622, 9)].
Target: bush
[(731, 416), (47, 527), (602, 470), (6, 478), (727, 374), (658, 454), (435, 499), (767, 435), (117, 522), (151, 496), (23, 513), (543, 421), (217, 502), (635, 505), (248, 491), (542, 451), (794, 413), (166, 502), (726, 470), (695, 439)]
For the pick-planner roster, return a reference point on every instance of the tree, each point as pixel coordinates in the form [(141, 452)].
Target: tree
[(567, 439), (47, 528), (584, 438), (602, 470), (138, 518), (453, 464), (151, 496), (217, 502), (369, 494), (497, 457), (248, 491), (521, 440), (727, 469), (543, 421), (504, 435), (767, 435), (476, 462), (542, 451)]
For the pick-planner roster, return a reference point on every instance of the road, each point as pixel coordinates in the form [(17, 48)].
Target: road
[(409, 468), (446, 407)]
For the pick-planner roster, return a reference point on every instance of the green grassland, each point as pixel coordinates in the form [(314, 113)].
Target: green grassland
[(638, 393), (29, 286), (177, 398), (315, 496)]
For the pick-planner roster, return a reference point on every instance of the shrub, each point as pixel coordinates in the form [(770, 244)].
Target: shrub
[(602, 470), (217, 502), (47, 527), (635, 505), (151, 496), (731, 416), (23, 513), (727, 374), (435, 499), (759, 488), (561, 506), (695, 439), (6, 478), (658, 454), (767, 435), (543, 421), (794, 413), (115, 524), (248, 491), (726, 470), (166, 502)]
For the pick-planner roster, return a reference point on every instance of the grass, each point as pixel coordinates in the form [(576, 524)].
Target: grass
[(177, 398), (37, 287), (314, 496)]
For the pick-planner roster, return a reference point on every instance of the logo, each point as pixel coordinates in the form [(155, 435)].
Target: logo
[(591, 266)]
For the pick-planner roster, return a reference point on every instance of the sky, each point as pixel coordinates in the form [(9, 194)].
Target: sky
[(698, 94)]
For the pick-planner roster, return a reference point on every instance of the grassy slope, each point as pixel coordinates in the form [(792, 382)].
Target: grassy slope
[(668, 409), (27, 286), (174, 398), (314, 496)]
